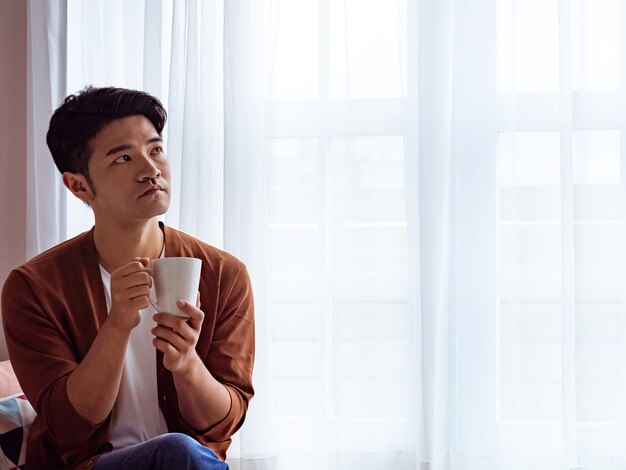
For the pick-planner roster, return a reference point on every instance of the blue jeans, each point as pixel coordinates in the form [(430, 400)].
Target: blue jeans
[(168, 451)]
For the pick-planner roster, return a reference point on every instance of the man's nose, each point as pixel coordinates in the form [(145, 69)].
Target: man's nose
[(150, 170)]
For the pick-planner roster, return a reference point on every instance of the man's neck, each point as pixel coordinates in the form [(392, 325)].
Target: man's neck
[(118, 245)]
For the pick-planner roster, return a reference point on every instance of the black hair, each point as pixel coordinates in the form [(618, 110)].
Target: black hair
[(81, 116)]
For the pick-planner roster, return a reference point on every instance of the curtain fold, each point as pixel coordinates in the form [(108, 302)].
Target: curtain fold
[(429, 178), (195, 131), (245, 218), (474, 389), (46, 75), (568, 256)]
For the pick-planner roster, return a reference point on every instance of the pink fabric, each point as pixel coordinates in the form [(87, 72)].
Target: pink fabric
[(8, 382)]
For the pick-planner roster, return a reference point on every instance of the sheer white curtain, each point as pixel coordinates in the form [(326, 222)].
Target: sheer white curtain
[(560, 218), (46, 42), (428, 195)]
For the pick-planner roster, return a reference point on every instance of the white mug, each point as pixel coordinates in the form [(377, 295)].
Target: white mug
[(175, 278)]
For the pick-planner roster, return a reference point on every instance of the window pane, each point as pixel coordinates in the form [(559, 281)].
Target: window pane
[(597, 202), (530, 203), (599, 400), (376, 205), (530, 349), (295, 320), (598, 246), (295, 359), (596, 157), (367, 44), (528, 158), (367, 162), (522, 320), (296, 374), (528, 171), (534, 247), (294, 248), (598, 258), (359, 320), (531, 400), (527, 45), (293, 163), (370, 351), (338, 254), (300, 206), (599, 344), (370, 399), (368, 181), (595, 44), (306, 391), (369, 258), (296, 63)]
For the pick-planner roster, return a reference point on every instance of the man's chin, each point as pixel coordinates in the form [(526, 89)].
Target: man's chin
[(157, 210), (162, 210)]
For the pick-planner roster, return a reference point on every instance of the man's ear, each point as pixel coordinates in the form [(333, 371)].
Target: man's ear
[(78, 185)]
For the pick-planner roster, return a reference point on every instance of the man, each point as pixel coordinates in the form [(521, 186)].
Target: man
[(116, 384)]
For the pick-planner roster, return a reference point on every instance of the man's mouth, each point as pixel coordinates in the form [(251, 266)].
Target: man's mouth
[(152, 190)]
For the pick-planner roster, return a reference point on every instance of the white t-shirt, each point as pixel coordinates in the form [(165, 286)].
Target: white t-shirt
[(136, 413)]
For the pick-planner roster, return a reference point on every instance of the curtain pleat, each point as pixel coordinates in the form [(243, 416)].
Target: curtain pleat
[(46, 63)]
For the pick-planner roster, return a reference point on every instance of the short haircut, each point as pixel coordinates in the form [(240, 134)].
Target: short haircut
[(81, 116)]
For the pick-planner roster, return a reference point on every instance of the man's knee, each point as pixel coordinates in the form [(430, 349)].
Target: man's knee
[(175, 441), (185, 450)]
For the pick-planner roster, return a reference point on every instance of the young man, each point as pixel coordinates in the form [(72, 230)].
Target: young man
[(116, 384)]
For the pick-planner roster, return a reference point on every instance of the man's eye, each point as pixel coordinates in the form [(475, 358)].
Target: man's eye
[(157, 150), (122, 159)]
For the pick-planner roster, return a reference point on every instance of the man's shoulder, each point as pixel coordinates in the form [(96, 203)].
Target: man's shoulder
[(58, 259), (50, 273)]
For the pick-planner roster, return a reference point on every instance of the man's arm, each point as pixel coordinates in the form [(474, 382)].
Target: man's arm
[(214, 391), (202, 400), (93, 385)]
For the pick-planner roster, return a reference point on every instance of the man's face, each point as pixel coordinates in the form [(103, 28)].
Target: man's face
[(129, 170)]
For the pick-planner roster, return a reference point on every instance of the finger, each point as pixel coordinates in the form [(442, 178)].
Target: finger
[(165, 347), (130, 268), (170, 321), (142, 266), (134, 280), (139, 303), (147, 263), (173, 337), (166, 319), (143, 260), (196, 316), (198, 304), (134, 292)]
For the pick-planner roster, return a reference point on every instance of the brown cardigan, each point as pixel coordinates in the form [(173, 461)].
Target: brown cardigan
[(53, 307)]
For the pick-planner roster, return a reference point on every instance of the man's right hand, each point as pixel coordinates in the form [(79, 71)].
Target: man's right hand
[(94, 384), (130, 291)]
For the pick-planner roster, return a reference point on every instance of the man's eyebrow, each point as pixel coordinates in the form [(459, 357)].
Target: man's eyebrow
[(119, 148)]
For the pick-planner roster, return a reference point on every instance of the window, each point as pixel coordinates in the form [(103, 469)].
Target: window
[(335, 179), (560, 222)]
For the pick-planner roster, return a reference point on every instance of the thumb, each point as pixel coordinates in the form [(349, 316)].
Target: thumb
[(143, 260)]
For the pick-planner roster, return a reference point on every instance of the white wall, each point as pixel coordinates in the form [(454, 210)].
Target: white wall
[(12, 140)]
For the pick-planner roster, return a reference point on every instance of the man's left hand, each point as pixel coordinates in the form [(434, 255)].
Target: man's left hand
[(176, 337)]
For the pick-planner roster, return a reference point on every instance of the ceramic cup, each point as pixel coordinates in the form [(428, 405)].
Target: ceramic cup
[(175, 278)]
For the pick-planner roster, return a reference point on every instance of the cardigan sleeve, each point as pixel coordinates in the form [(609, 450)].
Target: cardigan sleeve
[(43, 358), (230, 360)]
